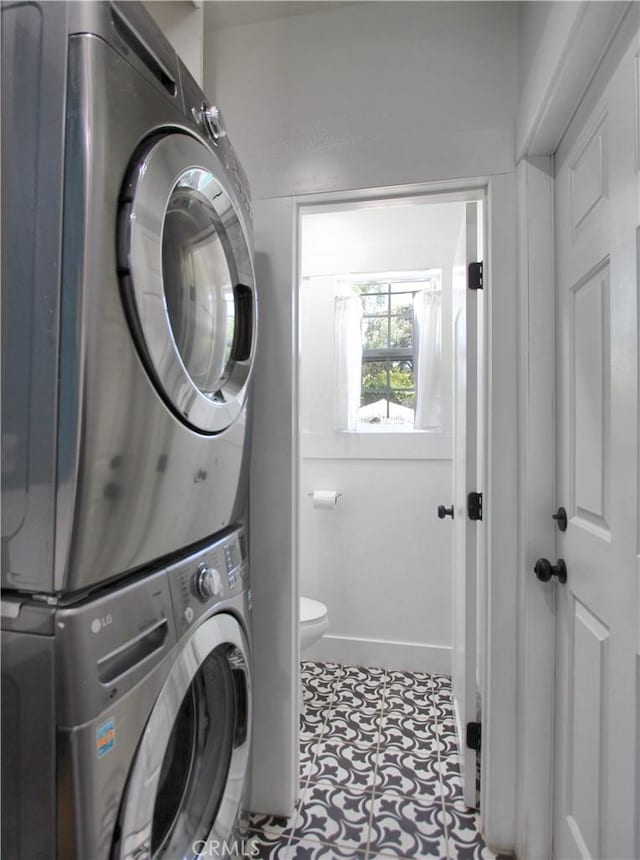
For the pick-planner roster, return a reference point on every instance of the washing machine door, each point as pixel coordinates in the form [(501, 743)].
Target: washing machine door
[(187, 277), (186, 784)]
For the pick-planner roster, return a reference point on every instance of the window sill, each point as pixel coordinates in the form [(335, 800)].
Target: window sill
[(400, 429), (377, 444)]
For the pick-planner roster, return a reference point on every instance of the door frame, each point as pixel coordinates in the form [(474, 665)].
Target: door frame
[(498, 549), (575, 40)]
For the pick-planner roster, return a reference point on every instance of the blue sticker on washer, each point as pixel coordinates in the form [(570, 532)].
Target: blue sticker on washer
[(105, 737)]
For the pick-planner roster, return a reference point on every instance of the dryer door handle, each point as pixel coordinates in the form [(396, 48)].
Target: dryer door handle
[(127, 656)]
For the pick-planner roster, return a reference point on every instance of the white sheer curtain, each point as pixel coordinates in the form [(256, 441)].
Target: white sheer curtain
[(427, 362), (348, 361)]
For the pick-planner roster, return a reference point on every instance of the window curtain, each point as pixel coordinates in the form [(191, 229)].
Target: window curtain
[(427, 358), (348, 359)]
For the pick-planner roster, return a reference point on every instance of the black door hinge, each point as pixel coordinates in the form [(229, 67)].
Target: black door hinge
[(474, 734), (476, 276), (474, 506)]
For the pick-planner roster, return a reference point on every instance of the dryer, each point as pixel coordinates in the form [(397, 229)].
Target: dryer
[(128, 301), (127, 716)]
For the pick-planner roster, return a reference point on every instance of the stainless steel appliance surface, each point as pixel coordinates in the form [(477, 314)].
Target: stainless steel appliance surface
[(127, 716), (128, 301)]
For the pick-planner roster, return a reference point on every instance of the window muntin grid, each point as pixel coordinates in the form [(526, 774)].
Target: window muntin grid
[(387, 337)]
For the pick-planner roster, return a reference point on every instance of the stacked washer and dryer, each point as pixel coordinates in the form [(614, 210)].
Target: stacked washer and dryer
[(128, 337)]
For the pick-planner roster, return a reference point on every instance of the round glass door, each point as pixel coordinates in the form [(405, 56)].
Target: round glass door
[(195, 768), (188, 281), (198, 284), (183, 787)]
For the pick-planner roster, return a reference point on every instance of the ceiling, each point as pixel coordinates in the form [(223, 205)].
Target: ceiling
[(231, 13)]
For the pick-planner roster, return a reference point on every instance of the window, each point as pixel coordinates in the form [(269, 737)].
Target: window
[(388, 384), (388, 391)]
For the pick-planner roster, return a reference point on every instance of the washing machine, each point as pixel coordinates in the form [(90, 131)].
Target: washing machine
[(129, 305), (127, 716)]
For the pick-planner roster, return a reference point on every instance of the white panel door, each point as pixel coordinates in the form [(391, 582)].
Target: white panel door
[(465, 473), (597, 199)]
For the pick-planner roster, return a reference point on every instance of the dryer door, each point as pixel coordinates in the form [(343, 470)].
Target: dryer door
[(187, 279), (186, 785)]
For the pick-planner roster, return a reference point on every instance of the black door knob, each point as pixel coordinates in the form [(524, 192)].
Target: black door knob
[(445, 512), (544, 570)]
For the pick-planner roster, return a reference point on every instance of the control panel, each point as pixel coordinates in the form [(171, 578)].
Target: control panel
[(210, 122), (209, 118), (207, 577)]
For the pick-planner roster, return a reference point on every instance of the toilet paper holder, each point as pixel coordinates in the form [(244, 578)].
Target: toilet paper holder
[(324, 499)]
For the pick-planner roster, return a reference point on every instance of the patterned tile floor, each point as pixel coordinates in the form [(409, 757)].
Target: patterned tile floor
[(379, 772)]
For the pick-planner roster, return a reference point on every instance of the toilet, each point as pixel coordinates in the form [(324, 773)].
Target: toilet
[(314, 622)]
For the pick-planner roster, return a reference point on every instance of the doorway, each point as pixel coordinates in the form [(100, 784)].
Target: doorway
[(276, 495), (377, 414)]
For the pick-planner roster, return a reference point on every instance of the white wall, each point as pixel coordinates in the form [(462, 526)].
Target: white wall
[(390, 237), (533, 19), (381, 561), (273, 549), (183, 24), (384, 537), (361, 97), (369, 95)]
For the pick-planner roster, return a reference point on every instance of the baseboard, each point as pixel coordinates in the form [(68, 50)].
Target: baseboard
[(402, 656)]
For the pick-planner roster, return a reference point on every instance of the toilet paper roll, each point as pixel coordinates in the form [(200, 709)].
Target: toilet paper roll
[(325, 500)]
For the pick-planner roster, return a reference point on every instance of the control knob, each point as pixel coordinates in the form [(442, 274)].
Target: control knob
[(212, 118), (208, 583)]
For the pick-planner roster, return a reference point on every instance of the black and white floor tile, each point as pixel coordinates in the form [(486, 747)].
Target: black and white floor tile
[(379, 772)]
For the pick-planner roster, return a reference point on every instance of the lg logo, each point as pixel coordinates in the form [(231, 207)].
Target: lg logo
[(98, 623)]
